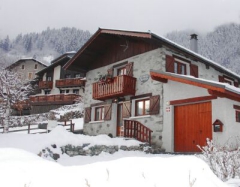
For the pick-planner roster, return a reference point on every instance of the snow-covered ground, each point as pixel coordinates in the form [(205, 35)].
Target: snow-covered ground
[(20, 165)]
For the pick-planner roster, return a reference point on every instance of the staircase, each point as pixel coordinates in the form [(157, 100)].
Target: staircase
[(135, 129)]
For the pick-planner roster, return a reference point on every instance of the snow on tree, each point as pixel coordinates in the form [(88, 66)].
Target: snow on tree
[(12, 90)]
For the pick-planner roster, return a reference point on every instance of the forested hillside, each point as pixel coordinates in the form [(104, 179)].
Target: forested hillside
[(222, 45), (44, 46)]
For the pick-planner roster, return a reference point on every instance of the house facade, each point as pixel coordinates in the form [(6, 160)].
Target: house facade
[(27, 68), (58, 86), (143, 86)]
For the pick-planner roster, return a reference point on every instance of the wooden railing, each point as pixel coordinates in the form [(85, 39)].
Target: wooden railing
[(135, 129), (20, 105), (75, 82), (45, 84), (116, 87), (53, 99)]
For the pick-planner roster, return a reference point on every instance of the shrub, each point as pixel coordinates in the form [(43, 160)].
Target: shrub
[(223, 160)]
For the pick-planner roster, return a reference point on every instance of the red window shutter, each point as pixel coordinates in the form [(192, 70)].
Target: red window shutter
[(110, 72), (129, 69), (237, 117), (87, 116), (126, 113), (194, 70), (221, 78), (169, 64), (236, 84), (107, 112), (154, 104)]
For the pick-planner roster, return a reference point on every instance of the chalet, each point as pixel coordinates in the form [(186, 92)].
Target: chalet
[(58, 86), (27, 68), (144, 86)]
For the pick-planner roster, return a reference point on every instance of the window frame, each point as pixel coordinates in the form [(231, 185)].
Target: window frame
[(76, 91), (144, 100), (102, 112), (49, 78), (30, 75), (36, 66), (47, 92), (121, 71), (179, 67), (77, 75), (23, 66), (68, 76)]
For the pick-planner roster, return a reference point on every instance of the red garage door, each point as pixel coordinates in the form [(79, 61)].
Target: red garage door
[(192, 125)]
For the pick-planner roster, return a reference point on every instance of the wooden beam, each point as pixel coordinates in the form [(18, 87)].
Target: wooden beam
[(192, 100), (226, 94)]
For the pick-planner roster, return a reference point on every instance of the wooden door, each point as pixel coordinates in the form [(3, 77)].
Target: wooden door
[(120, 127), (192, 125)]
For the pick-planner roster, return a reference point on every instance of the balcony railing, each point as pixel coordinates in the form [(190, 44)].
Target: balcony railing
[(53, 99), (135, 129), (20, 105), (75, 82), (45, 84), (117, 87)]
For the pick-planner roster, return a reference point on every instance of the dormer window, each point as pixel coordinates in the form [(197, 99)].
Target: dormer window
[(229, 80)]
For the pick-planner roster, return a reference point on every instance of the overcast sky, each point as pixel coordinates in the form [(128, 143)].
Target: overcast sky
[(159, 16)]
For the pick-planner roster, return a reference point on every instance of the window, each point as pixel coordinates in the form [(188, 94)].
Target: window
[(49, 78), (99, 113), (76, 91), (237, 116), (122, 71), (68, 76), (142, 107), (30, 76), (23, 67), (36, 66), (180, 68), (62, 91), (67, 91), (47, 92), (78, 75)]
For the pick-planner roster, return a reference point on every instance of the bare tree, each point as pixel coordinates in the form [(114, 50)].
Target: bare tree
[(12, 90)]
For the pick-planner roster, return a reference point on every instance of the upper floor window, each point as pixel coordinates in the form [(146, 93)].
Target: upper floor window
[(122, 71), (180, 68), (49, 78), (23, 67), (47, 92), (35, 66), (77, 75), (68, 76), (30, 76), (228, 80), (76, 91)]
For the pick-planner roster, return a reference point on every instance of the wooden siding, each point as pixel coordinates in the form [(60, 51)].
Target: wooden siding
[(119, 49), (118, 87), (192, 125)]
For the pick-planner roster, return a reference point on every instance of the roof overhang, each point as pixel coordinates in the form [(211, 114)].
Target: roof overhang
[(214, 88)]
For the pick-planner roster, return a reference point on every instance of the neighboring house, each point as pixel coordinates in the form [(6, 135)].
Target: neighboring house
[(27, 68), (144, 86), (58, 86)]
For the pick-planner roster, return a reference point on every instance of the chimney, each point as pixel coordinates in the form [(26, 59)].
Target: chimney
[(194, 43)]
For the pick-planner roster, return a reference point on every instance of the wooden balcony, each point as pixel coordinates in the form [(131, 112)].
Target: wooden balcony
[(53, 99), (117, 87), (45, 84), (20, 105), (75, 82)]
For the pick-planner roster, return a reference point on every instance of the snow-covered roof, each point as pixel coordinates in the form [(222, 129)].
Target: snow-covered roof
[(204, 83), (25, 59), (149, 36)]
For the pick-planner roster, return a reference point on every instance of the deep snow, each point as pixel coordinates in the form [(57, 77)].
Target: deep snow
[(20, 165)]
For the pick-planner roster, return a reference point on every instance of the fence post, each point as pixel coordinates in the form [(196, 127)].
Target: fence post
[(28, 128)]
